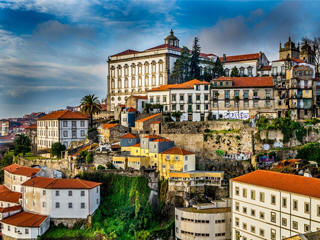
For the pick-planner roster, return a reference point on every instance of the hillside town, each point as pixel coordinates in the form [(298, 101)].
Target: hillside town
[(185, 145)]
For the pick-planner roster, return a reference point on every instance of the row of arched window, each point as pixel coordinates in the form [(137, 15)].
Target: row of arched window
[(137, 82), (241, 71)]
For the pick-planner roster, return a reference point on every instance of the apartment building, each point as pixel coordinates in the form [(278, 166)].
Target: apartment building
[(210, 221), (191, 98), (61, 126), (273, 205), (241, 97)]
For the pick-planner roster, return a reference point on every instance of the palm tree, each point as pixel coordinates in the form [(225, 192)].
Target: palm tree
[(236, 99), (90, 105), (216, 94)]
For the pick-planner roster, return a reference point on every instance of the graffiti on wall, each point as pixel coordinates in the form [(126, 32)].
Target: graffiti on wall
[(242, 115), (237, 156)]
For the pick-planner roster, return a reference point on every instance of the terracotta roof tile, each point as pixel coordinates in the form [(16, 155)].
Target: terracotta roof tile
[(131, 109), (177, 151), (64, 114), (136, 145), (140, 97), (10, 196), (60, 183), (109, 125), (129, 135), (21, 170), (292, 59), (32, 126), (307, 186), (126, 52), (248, 81), (161, 140), (10, 209), (156, 122), (148, 118), (243, 57), (25, 219), (152, 136), (186, 85)]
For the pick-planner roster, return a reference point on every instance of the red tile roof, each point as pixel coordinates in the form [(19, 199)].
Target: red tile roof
[(129, 135), (148, 118), (307, 186), (177, 151), (21, 170), (141, 97), (156, 122), (10, 209), (25, 219), (126, 52), (136, 145), (10, 196), (152, 136), (32, 126), (186, 85), (64, 114), (131, 109), (292, 59), (161, 140), (248, 81), (243, 57), (109, 125), (60, 183)]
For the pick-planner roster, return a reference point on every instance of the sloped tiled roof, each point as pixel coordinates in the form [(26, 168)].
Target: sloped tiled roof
[(292, 59), (186, 85), (161, 140), (7, 195), (60, 183), (10, 209), (248, 81), (156, 122), (126, 52), (307, 186), (32, 126), (129, 135), (21, 170), (177, 151), (136, 145), (109, 125), (148, 118), (243, 57), (64, 114), (25, 219), (140, 97)]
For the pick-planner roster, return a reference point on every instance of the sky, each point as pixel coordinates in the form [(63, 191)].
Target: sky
[(54, 52)]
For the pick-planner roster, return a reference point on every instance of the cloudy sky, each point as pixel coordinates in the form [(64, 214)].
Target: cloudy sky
[(54, 52)]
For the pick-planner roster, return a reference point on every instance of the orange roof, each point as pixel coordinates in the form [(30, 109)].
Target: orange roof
[(140, 97), (156, 122), (3, 188), (21, 170), (109, 125), (248, 81), (243, 57), (64, 114), (126, 52), (148, 118), (161, 140), (32, 126), (152, 136), (25, 219), (131, 109), (177, 151), (136, 145), (292, 59), (60, 183), (307, 186), (186, 85), (10, 209), (10, 196), (129, 135)]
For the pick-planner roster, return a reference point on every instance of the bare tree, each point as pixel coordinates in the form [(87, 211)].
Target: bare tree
[(315, 45)]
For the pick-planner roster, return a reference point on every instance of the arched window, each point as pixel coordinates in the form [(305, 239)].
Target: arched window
[(119, 83), (153, 80), (227, 71), (161, 80), (241, 71), (113, 83), (126, 82), (160, 66), (126, 70), (133, 82), (153, 67), (139, 82), (139, 68), (146, 68), (146, 80), (133, 69), (113, 72), (119, 71)]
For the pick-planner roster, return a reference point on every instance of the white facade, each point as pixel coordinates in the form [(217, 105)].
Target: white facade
[(62, 203), (203, 221), (264, 213), (63, 131)]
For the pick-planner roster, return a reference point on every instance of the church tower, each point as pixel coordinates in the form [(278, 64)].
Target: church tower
[(289, 50), (307, 54), (172, 40)]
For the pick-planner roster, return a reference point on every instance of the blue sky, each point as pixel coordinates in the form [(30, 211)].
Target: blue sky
[(55, 52)]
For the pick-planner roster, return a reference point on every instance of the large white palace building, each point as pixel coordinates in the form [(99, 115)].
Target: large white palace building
[(134, 72), (272, 205)]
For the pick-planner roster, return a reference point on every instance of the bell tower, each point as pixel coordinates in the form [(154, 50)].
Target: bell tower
[(307, 54), (289, 50), (171, 40)]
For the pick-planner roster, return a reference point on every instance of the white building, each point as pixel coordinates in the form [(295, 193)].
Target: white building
[(191, 98), (61, 126), (134, 72), (247, 64), (210, 221), (272, 205), (61, 198)]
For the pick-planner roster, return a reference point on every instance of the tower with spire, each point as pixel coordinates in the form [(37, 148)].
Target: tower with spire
[(171, 40), (289, 50)]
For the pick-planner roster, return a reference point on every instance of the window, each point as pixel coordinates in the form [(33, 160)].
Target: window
[(284, 202), (253, 212), (255, 103), (8, 228), (273, 217), (237, 222), (70, 205), (44, 192), (295, 225), (173, 97), (273, 234), (261, 215), (44, 204), (181, 98), (65, 124), (157, 99), (273, 199), (261, 196), (268, 103), (246, 94), (82, 133), (83, 205), (69, 193), (295, 205), (198, 107), (206, 97), (227, 94), (57, 205), (306, 228), (57, 193), (253, 229), (244, 192), (244, 210), (237, 191), (244, 226), (181, 107), (318, 210), (26, 230), (206, 87), (284, 222), (237, 206), (173, 107), (151, 99), (198, 97), (306, 208), (250, 71), (74, 124), (164, 99), (261, 232), (253, 195), (246, 103), (65, 133)]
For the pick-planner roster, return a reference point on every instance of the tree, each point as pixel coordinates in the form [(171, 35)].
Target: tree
[(235, 72), (315, 44), (57, 148), (176, 115), (310, 152), (218, 69), (195, 60), (180, 72), (22, 144), (89, 157), (236, 99), (90, 105)]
